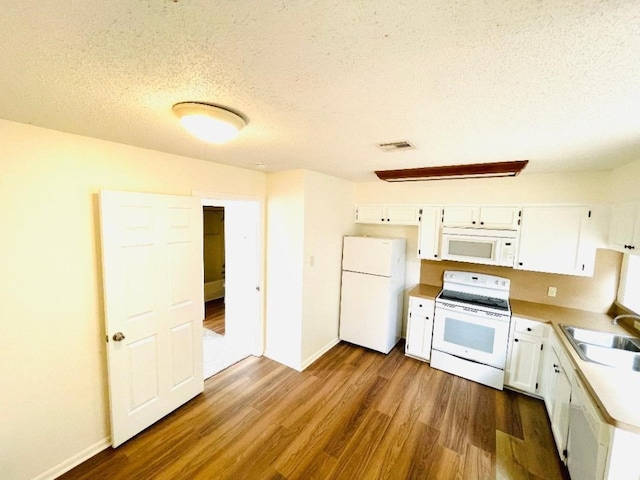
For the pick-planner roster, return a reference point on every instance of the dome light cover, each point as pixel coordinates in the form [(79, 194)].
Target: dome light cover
[(208, 122)]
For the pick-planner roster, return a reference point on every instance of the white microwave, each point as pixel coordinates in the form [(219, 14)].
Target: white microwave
[(476, 245)]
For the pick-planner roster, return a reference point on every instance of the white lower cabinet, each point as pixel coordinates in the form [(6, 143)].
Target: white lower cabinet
[(419, 328), (561, 403), (590, 447), (557, 392), (589, 436), (525, 355)]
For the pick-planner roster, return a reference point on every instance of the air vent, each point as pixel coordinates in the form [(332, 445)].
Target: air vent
[(397, 146)]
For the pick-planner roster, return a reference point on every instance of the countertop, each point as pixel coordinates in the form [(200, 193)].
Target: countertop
[(615, 391)]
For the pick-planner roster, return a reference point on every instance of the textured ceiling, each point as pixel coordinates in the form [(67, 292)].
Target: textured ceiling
[(556, 82)]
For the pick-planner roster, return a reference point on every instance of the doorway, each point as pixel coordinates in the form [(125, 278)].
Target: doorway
[(214, 268), (231, 248)]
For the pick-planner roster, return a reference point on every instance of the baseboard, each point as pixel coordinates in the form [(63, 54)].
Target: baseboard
[(319, 353), (76, 460)]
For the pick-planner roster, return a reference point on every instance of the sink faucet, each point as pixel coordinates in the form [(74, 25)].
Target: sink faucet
[(615, 320)]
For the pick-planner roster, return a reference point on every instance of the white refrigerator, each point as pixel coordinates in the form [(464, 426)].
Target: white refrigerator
[(372, 291)]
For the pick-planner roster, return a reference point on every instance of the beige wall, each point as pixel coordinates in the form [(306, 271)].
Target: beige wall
[(526, 188), (328, 218), (285, 247), (54, 396), (308, 214), (595, 293), (625, 183)]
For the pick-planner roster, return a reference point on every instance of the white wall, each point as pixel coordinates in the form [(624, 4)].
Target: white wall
[(308, 214), (285, 247), (328, 218), (52, 367), (625, 183), (412, 262), (592, 187)]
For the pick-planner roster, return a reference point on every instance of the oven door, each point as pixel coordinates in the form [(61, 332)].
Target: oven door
[(469, 248), (473, 337)]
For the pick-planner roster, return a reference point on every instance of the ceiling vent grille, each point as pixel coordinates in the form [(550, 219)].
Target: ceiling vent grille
[(397, 146)]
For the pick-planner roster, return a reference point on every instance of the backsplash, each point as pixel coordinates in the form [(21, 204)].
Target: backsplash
[(595, 294)]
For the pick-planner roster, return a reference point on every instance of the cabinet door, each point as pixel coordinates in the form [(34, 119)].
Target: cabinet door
[(624, 229), (429, 233), (460, 216), (370, 214), (403, 214), (499, 217), (419, 328), (556, 240), (524, 363), (561, 410)]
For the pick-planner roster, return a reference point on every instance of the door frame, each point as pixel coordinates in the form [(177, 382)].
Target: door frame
[(222, 200)]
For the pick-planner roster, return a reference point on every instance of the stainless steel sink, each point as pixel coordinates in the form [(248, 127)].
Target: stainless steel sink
[(620, 351)]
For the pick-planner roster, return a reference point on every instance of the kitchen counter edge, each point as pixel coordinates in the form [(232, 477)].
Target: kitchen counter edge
[(614, 391)]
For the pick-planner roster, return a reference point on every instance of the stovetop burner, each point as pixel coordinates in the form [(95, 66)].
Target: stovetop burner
[(476, 300)]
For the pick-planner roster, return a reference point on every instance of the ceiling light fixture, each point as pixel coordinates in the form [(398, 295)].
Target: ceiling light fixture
[(208, 122), (475, 170)]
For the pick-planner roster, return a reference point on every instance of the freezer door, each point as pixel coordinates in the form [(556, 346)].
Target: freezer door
[(368, 255), (368, 311)]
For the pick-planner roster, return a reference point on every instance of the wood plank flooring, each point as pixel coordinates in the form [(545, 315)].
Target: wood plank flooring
[(214, 315), (354, 414)]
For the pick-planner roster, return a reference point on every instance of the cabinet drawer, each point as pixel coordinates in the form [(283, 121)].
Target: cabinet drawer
[(421, 306), (530, 327)]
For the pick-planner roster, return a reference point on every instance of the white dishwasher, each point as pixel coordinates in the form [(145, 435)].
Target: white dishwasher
[(589, 437)]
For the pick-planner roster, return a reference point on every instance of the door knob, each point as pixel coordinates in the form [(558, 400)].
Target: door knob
[(118, 337)]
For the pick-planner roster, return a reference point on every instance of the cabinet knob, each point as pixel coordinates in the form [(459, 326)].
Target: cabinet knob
[(528, 329), (520, 263), (481, 223), (474, 222), (555, 365), (516, 340)]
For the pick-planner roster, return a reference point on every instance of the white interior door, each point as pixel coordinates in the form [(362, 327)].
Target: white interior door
[(153, 271), (242, 280)]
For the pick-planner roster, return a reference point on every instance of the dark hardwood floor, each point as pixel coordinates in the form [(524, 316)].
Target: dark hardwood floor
[(354, 414), (214, 315)]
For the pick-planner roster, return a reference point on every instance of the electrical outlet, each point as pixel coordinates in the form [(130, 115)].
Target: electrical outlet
[(552, 292)]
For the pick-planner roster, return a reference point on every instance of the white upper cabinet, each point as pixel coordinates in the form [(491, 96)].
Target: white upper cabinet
[(429, 233), (624, 230), (556, 239), (388, 214), (484, 217)]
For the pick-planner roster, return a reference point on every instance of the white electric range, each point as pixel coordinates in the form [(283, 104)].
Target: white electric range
[(471, 327)]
